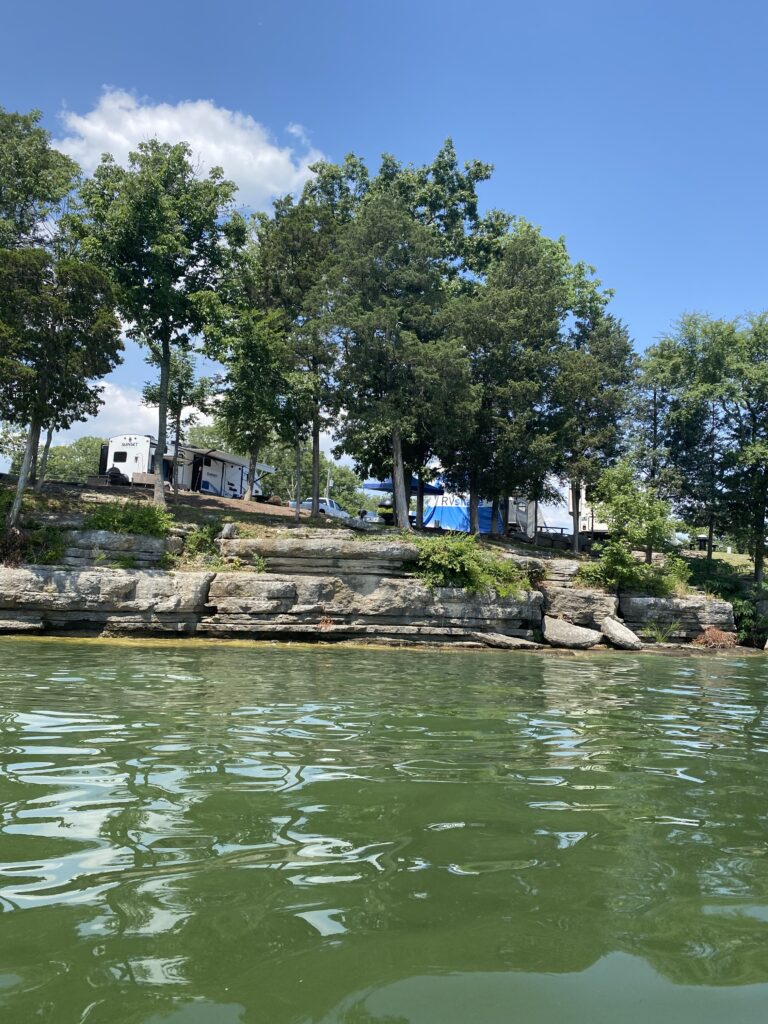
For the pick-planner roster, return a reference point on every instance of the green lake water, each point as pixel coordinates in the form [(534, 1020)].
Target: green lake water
[(213, 834)]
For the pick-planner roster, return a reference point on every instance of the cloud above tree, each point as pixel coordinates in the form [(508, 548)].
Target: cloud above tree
[(246, 150)]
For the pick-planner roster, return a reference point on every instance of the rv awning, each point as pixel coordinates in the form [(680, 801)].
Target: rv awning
[(388, 486)]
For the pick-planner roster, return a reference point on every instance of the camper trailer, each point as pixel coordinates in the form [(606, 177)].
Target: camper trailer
[(199, 469)]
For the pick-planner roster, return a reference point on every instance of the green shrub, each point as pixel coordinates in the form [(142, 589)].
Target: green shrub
[(130, 517), (463, 562), (202, 540), (618, 569), (44, 545), (751, 625)]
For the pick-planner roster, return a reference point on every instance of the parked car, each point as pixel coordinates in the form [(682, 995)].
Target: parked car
[(328, 507)]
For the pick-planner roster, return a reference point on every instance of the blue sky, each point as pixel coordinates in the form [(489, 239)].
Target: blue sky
[(636, 130)]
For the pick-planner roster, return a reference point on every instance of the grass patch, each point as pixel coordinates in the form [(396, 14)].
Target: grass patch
[(660, 632), (138, 517)]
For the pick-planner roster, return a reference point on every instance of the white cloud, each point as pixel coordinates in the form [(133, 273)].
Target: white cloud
[(121, 413), (219, 137)]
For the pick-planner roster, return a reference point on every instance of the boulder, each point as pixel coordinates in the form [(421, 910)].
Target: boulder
[(560, 633), (619, 635), (508, 643), (579, 605)]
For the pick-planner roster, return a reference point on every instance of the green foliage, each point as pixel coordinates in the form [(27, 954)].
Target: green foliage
[(633, 512), (466, 563), (76, 461), (124, 562), (130, 517), (202, 540), (618, 569), (168, 235), (661, 632), (751, 623), (44, 545), (12, 443), (35, 178)]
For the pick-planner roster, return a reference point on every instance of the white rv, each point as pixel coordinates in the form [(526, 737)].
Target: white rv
[(199, 469)]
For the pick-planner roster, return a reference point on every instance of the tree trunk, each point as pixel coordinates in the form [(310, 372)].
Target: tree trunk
[(648, 554), (44, 460), (298, 480), (576, 511), (474, 509), (176, 442), (398, 481), (33, 469), (162, 424), (535, 520), (759, 535), (495, 517), (251, 479), (315, 461), (710, 537), (33, 438), (420, 502)]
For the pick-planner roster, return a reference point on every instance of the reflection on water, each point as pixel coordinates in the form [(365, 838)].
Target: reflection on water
[(199, 834)]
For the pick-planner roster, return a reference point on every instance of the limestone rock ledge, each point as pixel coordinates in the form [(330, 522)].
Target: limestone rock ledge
[(232, 604), (103, 600), (361, 605), (683, 618)]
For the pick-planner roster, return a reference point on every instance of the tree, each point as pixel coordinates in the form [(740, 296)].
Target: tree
[(740, 349), (591, 393), (208, 435), (163, 232), (512, 324), (59, 336), (187, 392), (249, 408), (76, 461), (291, 256), (680, 434), (634, 514), (387, 291), (13, 441), (34, 179)]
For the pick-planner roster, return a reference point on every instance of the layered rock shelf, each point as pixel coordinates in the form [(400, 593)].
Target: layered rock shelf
[(362, 606)]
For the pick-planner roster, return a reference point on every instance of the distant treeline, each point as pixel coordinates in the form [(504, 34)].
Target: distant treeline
[(382, 306)]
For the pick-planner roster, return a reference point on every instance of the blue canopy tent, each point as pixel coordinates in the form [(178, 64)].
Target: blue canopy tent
[(388, 486)]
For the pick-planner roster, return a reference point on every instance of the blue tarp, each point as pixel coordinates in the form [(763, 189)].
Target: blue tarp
[(456, 517)]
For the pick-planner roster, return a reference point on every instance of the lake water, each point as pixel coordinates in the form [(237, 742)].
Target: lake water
[(203, 834)]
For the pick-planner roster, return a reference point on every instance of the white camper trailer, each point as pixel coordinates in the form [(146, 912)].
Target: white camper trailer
[(199, 469)]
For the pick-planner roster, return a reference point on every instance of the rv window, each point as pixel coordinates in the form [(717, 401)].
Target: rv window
[(206, 461), (120, 457)]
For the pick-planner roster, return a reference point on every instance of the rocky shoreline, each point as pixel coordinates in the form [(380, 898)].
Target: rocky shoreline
[(338, 589)]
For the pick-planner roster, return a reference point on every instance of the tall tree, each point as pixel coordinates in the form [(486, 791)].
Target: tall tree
[(293, 249), (679, 436), (513, 324), (596, 369), (167, 234), (188, 395), (34, 179), (387, 294), (60, 336)]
